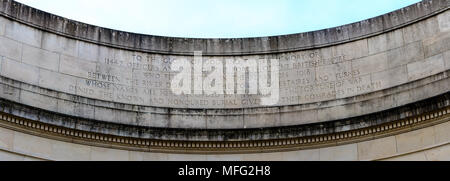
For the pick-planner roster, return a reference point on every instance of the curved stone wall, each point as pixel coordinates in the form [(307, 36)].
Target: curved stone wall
[(93, 80), (423, 143)]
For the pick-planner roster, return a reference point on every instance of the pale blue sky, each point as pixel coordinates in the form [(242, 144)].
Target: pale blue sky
[(218, 18)]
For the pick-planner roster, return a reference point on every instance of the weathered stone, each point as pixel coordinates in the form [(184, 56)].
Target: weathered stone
[(32, 145), (444, 21), (384, 42), (63, 151), (391, 77), (6, 139), (437, 44), (376, 149), (104, 154), (438, 154), (10, 49), (406, 54), (61, 45), (40, 58), (24, 34), (340, 153), (371, 64), (426, 68), (76, 67), (415, 140), (421, 30), (339, 80), (20, 71)]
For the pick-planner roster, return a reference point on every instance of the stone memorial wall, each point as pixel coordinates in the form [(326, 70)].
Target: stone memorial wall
[(82, 77)]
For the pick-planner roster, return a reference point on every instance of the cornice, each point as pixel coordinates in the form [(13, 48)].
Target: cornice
[(27, 126)]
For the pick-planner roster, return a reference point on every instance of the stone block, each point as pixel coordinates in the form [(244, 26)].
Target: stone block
[(128, 58), (104, 114), (330, 73), (76, 67), (107, 154), (113, 74), (8, 156), (338, 112), (371, 64), (297, 117), (390, 78), (384, 42), (415, 140), (94, 90), (354, 85), (155, 156), (125, 117), (66, 107), (425, 68), (447, 60), (441, 153), (419, 156), (406, 54), (444, 21), (421, 30), (148, 156), (230, 102), (40, 58), (57, 81), (63, 151), (24, 34), (253, 157), (33, 159), (10, 90), (185, 157), (20, 71), (353, 50), (303, 155), (224, 119), (106, 53), (442, 133), (339, 153), (88, 51), (225, 157), (58, 44), (437, 44), (375, 105), (6, 139), (188, 121), (32, 145), (261, 117), (4, 22), (154, 120), (84, 110), (10, 49), (72, 108), (37, 100)]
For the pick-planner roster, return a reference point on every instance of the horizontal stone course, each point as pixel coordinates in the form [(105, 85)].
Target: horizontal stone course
[(23, 34), (40, 58), (108, 76), (20, 71), (37, 148), (238, 46), (426, 68), (10, 48)]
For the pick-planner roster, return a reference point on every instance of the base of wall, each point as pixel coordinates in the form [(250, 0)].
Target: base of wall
[(427, 141)]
